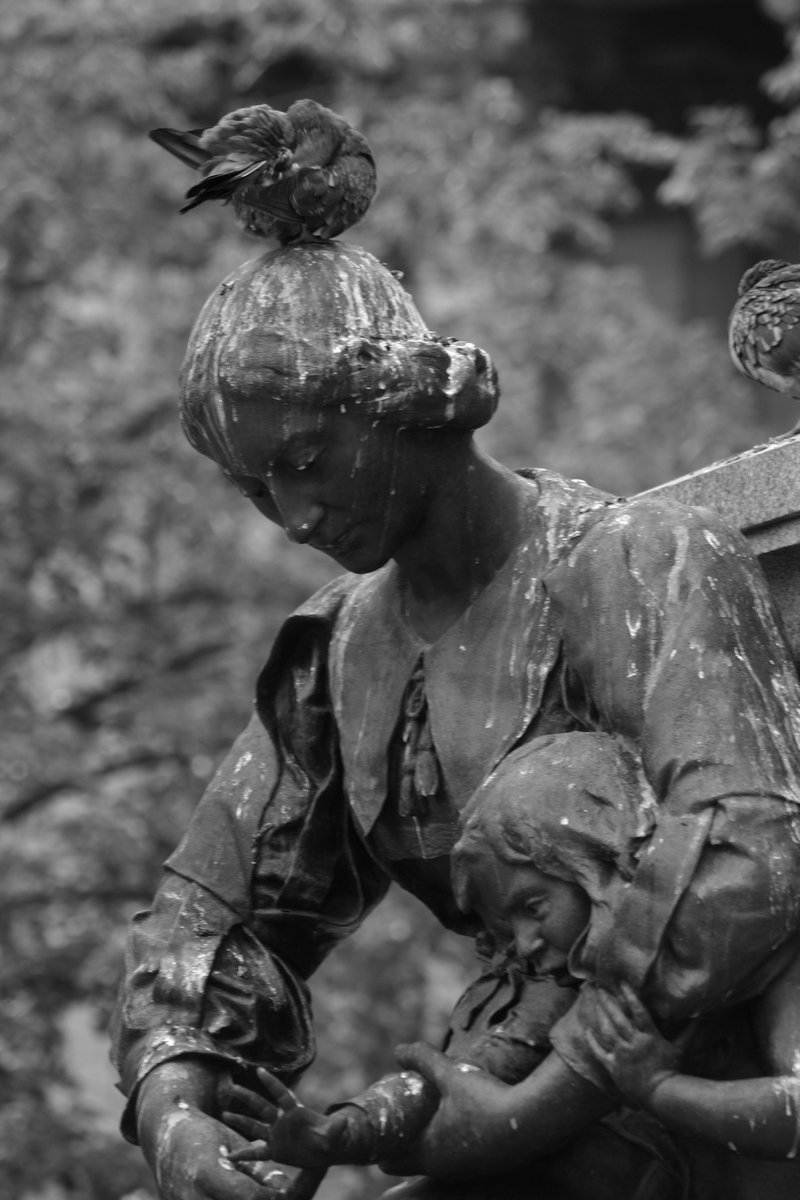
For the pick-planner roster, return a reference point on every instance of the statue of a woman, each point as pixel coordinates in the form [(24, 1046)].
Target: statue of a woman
[(480, 608)]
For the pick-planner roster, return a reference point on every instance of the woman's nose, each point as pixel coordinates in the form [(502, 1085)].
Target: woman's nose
[(300, 515), (302, 531)]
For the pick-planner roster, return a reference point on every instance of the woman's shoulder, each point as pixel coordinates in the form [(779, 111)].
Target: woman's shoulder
[(653, 546), (655, 525), (560, 513), (557, 492), (582, 508)]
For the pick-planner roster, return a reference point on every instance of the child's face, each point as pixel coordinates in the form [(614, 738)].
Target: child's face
[(541, 914)]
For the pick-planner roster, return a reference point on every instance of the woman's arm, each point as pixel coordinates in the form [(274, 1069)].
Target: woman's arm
[(216, 968), (194, 971), (186, 1147), (756, 1117), (670, 640)]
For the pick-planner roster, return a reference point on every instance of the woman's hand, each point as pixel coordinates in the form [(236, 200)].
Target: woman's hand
[(463, 1137), (190, 1152), (627, 1043), (282, 1129)]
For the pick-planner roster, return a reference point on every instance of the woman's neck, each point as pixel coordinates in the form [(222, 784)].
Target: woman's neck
[(471, 525)]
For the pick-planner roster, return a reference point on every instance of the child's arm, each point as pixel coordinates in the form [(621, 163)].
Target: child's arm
[(756, 1117), (382, 1122), (377, 1125), (480, 1125), (281, 1129), (483, 1126), (370, 1127)]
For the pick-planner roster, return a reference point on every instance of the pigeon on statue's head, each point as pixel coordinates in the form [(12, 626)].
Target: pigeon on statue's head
[(302, 175)]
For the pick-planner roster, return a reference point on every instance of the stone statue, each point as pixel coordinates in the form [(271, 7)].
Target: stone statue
[(480, 609)]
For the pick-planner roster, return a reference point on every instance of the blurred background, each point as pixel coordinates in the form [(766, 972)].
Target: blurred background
[(576, 185)]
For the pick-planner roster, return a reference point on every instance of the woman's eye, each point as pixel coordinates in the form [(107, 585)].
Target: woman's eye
[(246, 485), (303, 463), (253, 489), (534, 905)]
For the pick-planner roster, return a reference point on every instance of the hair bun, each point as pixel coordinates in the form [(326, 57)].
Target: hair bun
[(426, 382), (327, 324)]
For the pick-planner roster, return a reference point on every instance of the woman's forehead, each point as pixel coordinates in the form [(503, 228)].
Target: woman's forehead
[(246, 433)]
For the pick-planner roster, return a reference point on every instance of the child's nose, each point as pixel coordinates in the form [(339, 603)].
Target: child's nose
[(528, 941)]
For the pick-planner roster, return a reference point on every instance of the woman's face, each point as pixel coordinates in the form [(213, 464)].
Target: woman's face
[(348, 486), (542, 915)]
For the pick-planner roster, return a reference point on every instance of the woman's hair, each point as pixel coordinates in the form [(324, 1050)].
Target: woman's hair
[(325, 324), (574, 805)]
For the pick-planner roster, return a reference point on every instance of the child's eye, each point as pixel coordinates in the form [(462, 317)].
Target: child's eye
[(535, 905)]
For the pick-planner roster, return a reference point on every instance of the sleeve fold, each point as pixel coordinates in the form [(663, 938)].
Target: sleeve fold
[(270, 875)]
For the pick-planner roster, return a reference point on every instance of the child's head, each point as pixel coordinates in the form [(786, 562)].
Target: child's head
[(550, 835)]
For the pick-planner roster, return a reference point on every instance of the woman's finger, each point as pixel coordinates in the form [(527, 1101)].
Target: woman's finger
[(615, 1023), (276, 1183), (431, 1064), (257, 1151), (636, 1011), (600, 1052), (604, 1031)]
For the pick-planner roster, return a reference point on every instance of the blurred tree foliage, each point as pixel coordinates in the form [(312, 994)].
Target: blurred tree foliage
[(141, 594)]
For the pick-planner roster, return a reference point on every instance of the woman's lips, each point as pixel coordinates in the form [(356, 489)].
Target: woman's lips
[(337, 545)]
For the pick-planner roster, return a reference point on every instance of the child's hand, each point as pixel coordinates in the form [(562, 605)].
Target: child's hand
[(281, 1129), (628, 1044)]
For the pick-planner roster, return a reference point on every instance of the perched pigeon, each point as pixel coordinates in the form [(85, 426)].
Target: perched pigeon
[(764, 327), (302, 175)]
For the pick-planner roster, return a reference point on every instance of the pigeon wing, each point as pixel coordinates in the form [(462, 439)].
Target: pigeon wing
[(184, 144)]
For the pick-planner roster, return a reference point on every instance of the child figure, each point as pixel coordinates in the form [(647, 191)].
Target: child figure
[(535, 848), (548, 845), (379, 1124)]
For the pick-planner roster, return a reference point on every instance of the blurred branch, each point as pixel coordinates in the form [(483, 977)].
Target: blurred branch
[(112, 893), (82, 711), (46, 791)]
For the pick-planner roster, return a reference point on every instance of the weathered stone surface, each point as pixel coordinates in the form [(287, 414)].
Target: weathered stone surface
[(758, 492)]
